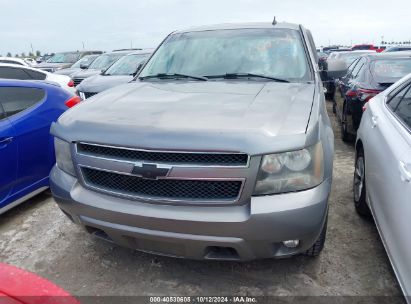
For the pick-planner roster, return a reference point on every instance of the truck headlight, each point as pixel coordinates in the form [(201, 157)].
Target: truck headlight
[(290, 171), (63, 156)]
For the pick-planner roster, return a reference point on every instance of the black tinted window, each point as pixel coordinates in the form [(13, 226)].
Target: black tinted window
[(14, 73), (404, 108), (35, 75), (358, 67), (396, 97), (17, 99)]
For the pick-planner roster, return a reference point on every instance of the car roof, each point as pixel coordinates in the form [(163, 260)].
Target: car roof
[(393, 55), (235, 26), (22, 67), (141, 52), (28, 83)]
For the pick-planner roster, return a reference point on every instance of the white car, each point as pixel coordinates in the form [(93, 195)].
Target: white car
[(13, 60), (14, 71), (382, 178)]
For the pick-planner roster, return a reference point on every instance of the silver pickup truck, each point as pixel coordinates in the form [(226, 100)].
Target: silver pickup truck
[(221, 148)]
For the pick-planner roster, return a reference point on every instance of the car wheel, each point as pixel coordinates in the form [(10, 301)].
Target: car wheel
[(329, 96), (359, 188), (345, 136), (318, 246)]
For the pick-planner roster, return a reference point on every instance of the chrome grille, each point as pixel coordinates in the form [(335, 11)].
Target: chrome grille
[(180, 158), (77, 81), (168, 189)]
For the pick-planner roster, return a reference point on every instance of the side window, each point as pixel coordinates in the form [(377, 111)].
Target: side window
[(358, 67), (2, 113), (35, 75), (14, 73), (396, 97), (17, 99), (404, 108)]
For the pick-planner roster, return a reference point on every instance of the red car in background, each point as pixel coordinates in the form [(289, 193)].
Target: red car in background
[(366, 46)]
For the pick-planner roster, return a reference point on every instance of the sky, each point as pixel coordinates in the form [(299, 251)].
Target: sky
[(55, 25)]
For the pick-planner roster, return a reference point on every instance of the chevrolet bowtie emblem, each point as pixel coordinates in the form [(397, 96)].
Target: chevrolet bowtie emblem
[(149, 171)]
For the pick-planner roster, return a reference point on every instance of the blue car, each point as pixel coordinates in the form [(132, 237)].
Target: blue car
[(27, 109)]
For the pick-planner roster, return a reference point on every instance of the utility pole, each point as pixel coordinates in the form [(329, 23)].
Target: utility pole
[(32, 49), (83, 44)]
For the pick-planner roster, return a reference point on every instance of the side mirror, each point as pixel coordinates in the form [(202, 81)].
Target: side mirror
[(337, 68), (83, 66), (139, 67)]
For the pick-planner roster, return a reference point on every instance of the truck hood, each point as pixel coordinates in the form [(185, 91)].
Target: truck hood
[(53, 65), (253, 117), (68, 71), (99, 83), (86, 73)]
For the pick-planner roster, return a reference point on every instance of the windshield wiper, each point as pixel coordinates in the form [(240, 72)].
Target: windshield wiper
[(245, 75), (173, 75)]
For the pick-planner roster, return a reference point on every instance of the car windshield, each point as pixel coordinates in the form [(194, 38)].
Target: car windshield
[(64, 58), (104, 61), (85, 60), (277, 53), (391, 68), (126, 65)]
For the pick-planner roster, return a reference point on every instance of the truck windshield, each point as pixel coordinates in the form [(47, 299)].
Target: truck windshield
[(126, 65), (276, 53), (65, 58)]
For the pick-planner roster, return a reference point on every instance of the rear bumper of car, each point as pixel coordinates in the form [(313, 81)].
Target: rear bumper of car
[(242, 232)]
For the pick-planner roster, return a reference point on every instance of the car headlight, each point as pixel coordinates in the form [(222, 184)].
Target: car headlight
[(290, 171), (63, 156)]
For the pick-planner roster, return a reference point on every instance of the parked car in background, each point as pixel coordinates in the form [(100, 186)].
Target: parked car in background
[(322, 60), (13, 71), (27, 109), (99, 65), (43, 58), (348, 57), (13, 60), (362, 47), (225, 128), (63, 60), (120, 72), (369, 75), (81, 64), (382, 178), (398, 48)]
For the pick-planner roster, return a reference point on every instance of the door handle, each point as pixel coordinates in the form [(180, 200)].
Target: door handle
[(405, 172), (5, 140), (374, 121)]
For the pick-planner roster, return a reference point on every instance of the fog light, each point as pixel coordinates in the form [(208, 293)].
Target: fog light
[(291, 243)]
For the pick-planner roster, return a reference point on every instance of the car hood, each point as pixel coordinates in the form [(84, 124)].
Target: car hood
[(68, 71), (253, 117), (99, 83), (82, 74), (53, 65)]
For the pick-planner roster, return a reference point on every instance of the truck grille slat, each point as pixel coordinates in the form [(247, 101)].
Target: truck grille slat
[(89, 94), (201, 159), (77, 81), (162, 188)]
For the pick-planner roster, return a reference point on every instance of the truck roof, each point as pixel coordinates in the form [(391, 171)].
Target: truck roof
[(232, 26)]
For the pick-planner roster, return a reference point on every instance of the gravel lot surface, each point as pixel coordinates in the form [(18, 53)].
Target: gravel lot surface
[(36, 236)]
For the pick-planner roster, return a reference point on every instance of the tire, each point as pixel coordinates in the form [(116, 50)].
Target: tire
[(329, 96), (359, 188), (318, 246), (345, 136)]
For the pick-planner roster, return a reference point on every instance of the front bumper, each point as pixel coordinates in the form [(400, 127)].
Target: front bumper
[(240, 232)]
